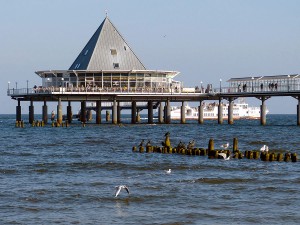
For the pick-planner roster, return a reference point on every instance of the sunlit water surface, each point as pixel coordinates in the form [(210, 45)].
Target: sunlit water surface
[(68, 175)]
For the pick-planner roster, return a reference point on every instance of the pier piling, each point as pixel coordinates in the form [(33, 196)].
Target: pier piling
[(31, 112), (45, 112)]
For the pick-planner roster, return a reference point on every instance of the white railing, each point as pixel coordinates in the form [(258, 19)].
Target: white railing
[(185, 91)]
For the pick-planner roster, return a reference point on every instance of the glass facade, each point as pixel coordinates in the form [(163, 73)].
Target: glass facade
[(124, 81)]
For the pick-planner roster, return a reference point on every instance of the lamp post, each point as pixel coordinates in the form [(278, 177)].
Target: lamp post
[(8, 83), (252, 78), (288, 81), (201, 86), (220, 85), (27, 86)]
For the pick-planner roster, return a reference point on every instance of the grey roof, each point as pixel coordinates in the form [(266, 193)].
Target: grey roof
[(107, 50)]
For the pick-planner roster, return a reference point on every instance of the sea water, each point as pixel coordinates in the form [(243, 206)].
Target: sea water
[(67, 175)]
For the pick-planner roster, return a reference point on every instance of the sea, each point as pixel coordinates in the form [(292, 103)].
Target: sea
[(68, 175)]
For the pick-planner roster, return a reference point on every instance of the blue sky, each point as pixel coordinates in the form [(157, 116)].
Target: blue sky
[(206, 40)]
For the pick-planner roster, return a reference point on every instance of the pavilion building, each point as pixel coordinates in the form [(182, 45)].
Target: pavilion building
[(107, 63)]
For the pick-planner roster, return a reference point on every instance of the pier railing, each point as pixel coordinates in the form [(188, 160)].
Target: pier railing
[(184, 91)]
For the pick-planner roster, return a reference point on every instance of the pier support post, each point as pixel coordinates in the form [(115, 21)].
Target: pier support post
[(45, 112), (83, 112), (119, 113), (200, 113), (114, 112), (31, 112), (263, 119), (160, 113), (98, 112), (182, 118), (69, 112), (59, 111), (138, 116), (298, 111), (150, 112), (89, 115), (18, 111), (107, 115), (168, 112), (133, 112), (165, 112), (220, 112), (230, 111)]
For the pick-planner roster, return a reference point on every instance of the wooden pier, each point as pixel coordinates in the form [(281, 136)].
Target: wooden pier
[(150, 100), (108, 71)]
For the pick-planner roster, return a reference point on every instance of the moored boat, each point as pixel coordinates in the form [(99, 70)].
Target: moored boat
[(241, 110)]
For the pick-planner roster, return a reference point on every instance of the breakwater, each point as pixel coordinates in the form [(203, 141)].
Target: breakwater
[(211, 153)]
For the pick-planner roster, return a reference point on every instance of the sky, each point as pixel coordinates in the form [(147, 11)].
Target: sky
[(206, 40)]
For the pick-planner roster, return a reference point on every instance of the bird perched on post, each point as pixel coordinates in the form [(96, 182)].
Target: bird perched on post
[(180, 145), (191, 144), (225, 146), (167, 142), (142, 142), (148, 143), (264, 148), (119, 188)]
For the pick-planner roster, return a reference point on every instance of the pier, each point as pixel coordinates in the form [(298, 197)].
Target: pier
[(108, 74)]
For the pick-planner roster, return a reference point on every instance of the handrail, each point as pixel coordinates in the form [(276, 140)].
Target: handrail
[(117, 90)]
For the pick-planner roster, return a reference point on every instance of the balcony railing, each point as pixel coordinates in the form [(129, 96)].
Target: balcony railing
[(184, 91)]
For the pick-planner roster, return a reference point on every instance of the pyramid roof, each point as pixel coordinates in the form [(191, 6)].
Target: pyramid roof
[(107, 50)]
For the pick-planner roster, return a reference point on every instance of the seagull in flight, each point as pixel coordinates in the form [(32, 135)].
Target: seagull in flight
[(264, 148), (168, 171), (119, 188), (225, 146), (224, 156)]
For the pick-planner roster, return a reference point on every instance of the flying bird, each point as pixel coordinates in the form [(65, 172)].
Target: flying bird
[(225, 146), (264, 148), (119, 188), (224, 156)]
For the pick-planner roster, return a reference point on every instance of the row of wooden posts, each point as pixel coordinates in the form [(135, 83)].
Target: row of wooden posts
[(37, 123), (211, 153)]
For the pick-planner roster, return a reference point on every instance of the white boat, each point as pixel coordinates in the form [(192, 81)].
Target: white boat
[(241, 110)]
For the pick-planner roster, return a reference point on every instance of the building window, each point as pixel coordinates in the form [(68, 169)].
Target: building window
[(113, 51), (116, 65), (86, 52), (77, 66)]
